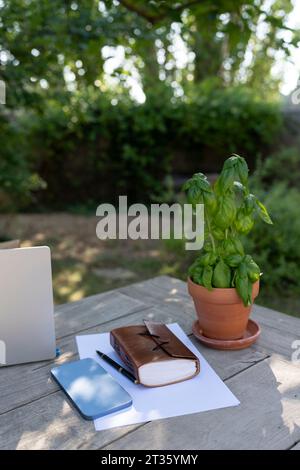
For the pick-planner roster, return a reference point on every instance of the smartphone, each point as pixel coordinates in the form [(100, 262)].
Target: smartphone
[(92, 390)]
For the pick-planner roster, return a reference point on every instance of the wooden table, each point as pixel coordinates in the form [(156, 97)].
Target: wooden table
[(35, 415)]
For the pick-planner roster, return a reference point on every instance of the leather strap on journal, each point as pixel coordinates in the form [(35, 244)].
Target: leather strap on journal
[(166, 340)]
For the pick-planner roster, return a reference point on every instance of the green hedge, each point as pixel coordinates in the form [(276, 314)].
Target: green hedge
[(228, 121), (277, 248), (17, 180), (87, 150)]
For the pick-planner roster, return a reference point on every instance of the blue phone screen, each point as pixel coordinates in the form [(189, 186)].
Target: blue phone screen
[(90, 388)]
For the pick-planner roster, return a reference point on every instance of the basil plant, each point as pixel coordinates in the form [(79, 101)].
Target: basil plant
[(229, 213)]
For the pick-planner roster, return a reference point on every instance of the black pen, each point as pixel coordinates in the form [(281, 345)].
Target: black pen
[(118, 367)]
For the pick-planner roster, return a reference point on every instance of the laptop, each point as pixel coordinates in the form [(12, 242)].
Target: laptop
[(27, 331)]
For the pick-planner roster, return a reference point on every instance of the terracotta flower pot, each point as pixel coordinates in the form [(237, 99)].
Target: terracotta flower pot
[(221, 312)]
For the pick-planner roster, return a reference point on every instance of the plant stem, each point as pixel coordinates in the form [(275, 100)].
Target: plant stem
[(210, 234), (212, 242)]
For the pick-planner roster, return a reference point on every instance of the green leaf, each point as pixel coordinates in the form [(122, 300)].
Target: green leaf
[(253, 276), (198, 180), (243, 283), (195, 272), (213, 259), (242, 270), (194, 195), (218, 233), (249, 299), (243, 222), (210, 201), (197, 277), (233, 260), (242, 169), (201, 180), (207, 247), (263, 213), (225, 180), (207, 277), (253, 269), (197, 188), (238, 245), (242, 286), (226, 212), (239, 166), (239, 186), (233, 278), (228, 247), (191, 270), (221, 275), (230, 163), (249, 202), (204, 259)]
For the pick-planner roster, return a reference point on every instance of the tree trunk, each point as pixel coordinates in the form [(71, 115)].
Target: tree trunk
[(150, 72)]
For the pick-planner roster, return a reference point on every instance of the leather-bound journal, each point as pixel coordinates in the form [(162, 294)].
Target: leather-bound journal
[(154, 354)]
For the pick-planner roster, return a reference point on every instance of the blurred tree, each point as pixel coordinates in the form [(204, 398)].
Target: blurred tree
[(56, 47), (68, 63), (224, 35), (42, 40)]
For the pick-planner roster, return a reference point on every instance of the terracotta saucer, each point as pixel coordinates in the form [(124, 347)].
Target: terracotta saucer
[(250, 336)]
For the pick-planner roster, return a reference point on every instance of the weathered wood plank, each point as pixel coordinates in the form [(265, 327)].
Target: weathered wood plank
[(279, 331), (160, 288), (272, 318), (171, 285), (229, 363), (51, 423), (268, 417), (92, 311)]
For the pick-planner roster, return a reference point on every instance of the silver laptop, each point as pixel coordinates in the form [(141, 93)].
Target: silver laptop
[(26, 306)]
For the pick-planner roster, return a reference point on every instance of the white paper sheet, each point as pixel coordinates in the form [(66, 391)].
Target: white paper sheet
[(204, 392)]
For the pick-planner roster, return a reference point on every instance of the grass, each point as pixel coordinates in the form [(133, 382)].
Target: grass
[(73, 280)]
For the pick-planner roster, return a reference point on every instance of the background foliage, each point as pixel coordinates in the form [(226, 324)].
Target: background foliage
[(95, 151), (111, 97), (278, 250), (72, 121)]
